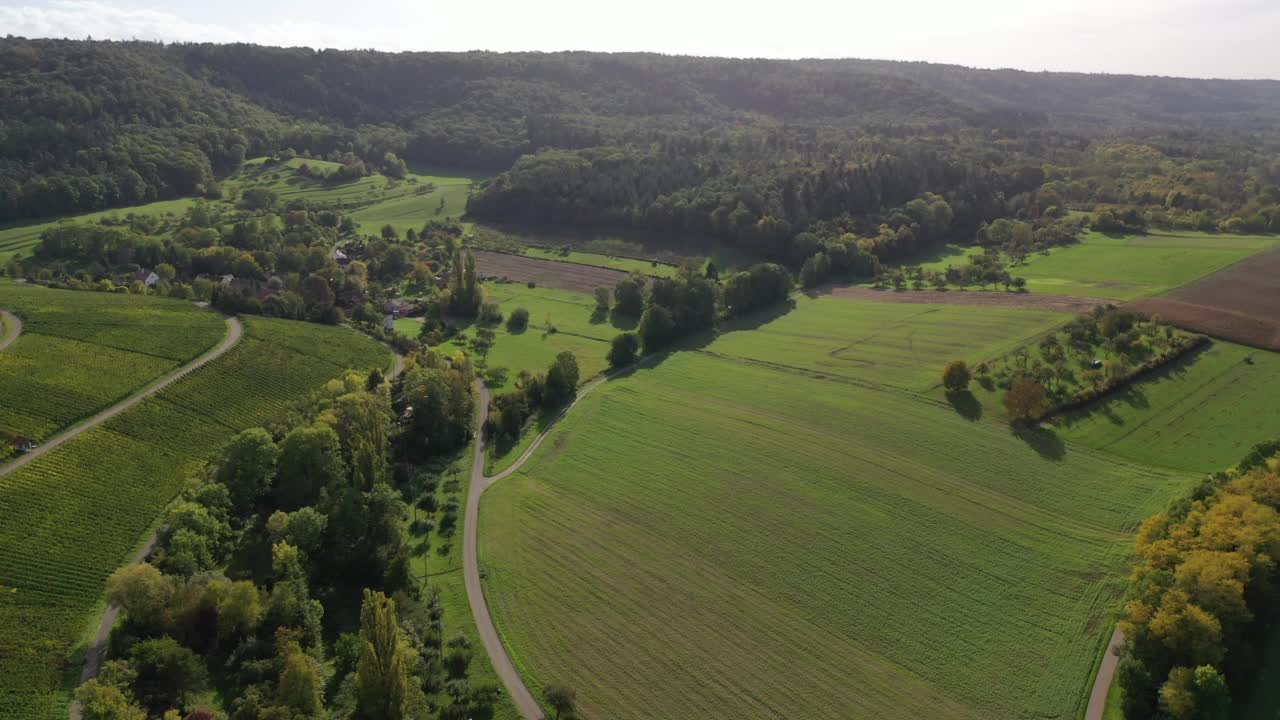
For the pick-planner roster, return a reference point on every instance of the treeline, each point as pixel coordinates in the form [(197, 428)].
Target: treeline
[(1203, 594)]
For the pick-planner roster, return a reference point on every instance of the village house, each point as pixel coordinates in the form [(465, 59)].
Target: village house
[(147, 277), (396, 309), (340, 257), (24, 444)]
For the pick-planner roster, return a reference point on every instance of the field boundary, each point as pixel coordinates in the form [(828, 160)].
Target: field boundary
[(550, 248), (12, 326)]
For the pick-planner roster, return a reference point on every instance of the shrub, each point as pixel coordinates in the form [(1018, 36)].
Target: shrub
[(955, 376), (518, 320)]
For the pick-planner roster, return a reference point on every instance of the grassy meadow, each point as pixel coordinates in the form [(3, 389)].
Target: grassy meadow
[(579, 329), (1123, 268), (764, 542), (87, 504), (20, 238), (81, 352), (1201, 413)]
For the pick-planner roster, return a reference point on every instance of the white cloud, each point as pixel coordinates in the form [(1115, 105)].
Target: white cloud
[(1230, 38)]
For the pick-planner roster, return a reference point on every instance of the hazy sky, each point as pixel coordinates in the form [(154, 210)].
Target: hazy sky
[(1200, 38)]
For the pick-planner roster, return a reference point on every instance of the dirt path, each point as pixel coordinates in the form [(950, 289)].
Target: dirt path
[(234, 331), (12, 326), (1106, 674), (502, 664), (97, 649), (1026, 301)]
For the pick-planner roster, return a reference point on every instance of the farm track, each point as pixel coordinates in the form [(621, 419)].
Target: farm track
[(502, 665), (1106, 675), (1026, 301), (13, 327), (96, 651)]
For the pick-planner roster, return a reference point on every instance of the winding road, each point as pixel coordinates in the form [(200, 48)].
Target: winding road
[(12, 326), (498, 656)]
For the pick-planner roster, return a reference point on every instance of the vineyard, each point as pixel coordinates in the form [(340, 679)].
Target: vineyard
[(81, 352), (87, 505)]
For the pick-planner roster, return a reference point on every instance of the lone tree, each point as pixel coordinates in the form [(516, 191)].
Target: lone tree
[(562, 699), (955, 376), (1025, 401), (623, 350)]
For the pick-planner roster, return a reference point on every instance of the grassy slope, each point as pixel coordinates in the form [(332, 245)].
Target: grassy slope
[(82, 351), (764, 543), (1202, 413), (87, 504), (1125, 268), (19, 238)]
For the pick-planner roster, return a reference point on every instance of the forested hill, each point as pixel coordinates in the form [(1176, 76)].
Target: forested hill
[(1112, 102), (653, 140)]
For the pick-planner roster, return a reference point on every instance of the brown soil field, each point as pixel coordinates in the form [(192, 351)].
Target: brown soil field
[(1214, 322), (1240, 303), (1030, 301), (546, 273)]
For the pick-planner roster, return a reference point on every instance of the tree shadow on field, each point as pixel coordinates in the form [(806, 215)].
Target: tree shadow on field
[(599, 315), (624, 323), (966, 405), (1044, 441)]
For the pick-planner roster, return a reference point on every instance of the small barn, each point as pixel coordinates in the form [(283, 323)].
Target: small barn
[(24, 444)]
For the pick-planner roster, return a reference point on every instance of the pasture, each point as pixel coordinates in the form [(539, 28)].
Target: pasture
[(87, 505), (81, 352), (1123, 268), (767, 543), (1201, 413)]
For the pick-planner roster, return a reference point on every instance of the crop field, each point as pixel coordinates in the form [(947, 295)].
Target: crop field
[(763, 543), (86, 505), (613, 262), (1202, 413), (81, 351), (546, 273), (1125, 268), (1238, 303), (882, 343)]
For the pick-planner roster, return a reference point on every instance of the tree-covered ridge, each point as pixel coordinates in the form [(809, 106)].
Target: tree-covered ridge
[(749, 150)]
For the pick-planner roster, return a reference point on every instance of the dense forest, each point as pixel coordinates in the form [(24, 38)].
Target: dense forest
[(775, 156)]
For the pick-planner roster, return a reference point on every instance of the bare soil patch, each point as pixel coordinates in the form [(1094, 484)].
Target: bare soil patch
[(1029, 301), (1214, 322), (1240, 303), (546, 273)]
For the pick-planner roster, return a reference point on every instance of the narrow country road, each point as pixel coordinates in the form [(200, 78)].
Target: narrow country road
[(498, 656), (234, 331), (1106, 675), (12, 327), (97, 649)]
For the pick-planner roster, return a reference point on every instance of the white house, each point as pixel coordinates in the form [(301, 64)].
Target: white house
[(146, 277)]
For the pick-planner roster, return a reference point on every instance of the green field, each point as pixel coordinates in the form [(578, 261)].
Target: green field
[(1123, 268), (578, 330), (764, 543), (83, 351), (87, 504), (19, 238), (884, 343), (1201, 413)]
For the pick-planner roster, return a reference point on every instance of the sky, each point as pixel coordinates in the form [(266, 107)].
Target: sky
[(1190, 38)]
